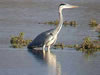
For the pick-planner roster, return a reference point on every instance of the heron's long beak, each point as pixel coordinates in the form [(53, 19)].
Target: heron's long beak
[(75, 6)]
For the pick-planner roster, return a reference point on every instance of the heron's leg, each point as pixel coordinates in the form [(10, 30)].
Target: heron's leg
[(49, 49), (44, 49)]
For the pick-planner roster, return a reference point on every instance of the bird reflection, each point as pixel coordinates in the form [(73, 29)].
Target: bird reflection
[(54, 67)]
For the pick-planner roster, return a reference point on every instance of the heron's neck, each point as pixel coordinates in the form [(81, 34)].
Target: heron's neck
[(59, 26)]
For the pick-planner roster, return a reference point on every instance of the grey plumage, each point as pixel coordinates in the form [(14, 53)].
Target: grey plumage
[(40, 39)]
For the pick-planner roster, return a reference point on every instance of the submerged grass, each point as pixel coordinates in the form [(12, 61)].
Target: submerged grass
[(65, 23), (87, 46), (19, 41), (93, 23)]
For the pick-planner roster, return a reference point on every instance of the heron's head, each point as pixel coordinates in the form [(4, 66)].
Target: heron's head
[(62, 6)]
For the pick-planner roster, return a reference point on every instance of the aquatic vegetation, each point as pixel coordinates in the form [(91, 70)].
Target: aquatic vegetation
[(62, 46), (99, 37), (18, 41), (59, 45), (65, 23), (97, 28), (53, 22), (73, 23), (88, 46), (93, 23)]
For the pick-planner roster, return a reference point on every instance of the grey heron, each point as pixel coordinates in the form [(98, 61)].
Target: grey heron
[(49, 37)]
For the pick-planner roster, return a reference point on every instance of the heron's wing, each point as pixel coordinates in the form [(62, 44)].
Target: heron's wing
[(40, 39)]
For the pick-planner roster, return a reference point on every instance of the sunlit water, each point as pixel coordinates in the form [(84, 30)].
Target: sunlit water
[(25, 15)]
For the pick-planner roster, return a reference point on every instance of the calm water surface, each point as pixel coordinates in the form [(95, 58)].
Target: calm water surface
[(25, 15)]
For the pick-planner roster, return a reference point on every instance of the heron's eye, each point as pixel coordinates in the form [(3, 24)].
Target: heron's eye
[(51, 34)]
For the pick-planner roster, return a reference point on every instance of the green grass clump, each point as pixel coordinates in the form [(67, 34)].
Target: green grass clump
[(88, 46), (18, 41), (62, 46), (59, 45), (65, 23), (93, 23), (52, 22), (73, 23)]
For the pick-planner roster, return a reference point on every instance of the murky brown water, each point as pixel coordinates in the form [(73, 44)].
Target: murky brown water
[(24, 16)]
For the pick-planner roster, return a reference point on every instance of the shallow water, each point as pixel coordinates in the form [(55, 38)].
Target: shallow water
[(25, 15)]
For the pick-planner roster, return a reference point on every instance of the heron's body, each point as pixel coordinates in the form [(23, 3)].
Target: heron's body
[(39, 41), (49, 37)]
